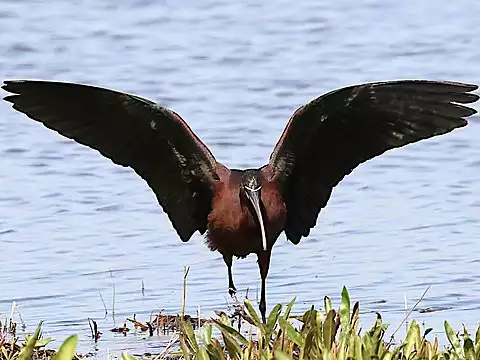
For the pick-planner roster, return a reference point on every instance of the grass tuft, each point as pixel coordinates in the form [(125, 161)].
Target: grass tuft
[(328, 334), (317, 334)]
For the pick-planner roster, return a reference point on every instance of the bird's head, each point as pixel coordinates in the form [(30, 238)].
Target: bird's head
[(251, 186)]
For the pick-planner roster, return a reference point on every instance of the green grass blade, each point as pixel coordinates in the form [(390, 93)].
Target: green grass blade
[(254, 316), (345, 310), (280, 355), (67, 349), (27, 351), (477, 343), (328, 329), (289, 307), (233, 348), (387, 356), (342, 349), (358, 348), (291, 332), (127, 356), (190, 335), (230, 330), (272, 319), (207, 334), (370, 345), (216, 350), (468, 349), (453, 339), (327, 303), (185, 350), (410, 340), (202, 354)]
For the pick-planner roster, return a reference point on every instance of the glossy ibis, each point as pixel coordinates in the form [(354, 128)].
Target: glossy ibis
[(244, 211)]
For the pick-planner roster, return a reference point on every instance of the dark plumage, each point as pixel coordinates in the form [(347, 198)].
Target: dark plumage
[(244, 212)]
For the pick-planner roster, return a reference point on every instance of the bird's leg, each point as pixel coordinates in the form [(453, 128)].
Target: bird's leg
[(231, 286), (264, 265)]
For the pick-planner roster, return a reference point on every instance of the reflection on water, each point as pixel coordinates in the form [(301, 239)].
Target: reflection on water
[(235, 71)]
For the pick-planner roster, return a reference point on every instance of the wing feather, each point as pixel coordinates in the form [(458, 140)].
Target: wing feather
[(133, 132), (330, 136)]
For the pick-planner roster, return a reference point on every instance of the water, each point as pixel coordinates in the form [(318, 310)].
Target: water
[(70, 220)]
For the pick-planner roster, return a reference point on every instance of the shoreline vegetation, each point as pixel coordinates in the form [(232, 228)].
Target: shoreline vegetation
[(317, 334)]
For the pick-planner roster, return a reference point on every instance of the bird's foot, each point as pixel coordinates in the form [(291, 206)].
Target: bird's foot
[(233, 293)]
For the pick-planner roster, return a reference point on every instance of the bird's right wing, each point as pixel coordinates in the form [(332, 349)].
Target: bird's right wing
[(330, 136), (134, 132)]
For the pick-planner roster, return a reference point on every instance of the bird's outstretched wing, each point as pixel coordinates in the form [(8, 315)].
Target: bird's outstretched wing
[(330, 136), (133, 132)]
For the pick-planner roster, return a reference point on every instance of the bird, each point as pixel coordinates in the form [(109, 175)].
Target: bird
[(242, 212)]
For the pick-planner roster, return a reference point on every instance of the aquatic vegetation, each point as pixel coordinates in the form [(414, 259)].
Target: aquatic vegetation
[(317, 334), (34, 346), (328, 334)]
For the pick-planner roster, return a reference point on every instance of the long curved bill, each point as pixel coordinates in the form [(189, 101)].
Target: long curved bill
[(254, 197)]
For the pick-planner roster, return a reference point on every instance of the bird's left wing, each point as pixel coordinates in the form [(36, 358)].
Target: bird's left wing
[(330, 136), (134, 132)]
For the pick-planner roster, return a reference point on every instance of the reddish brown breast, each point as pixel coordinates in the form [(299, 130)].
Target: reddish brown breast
[(232, 229)]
